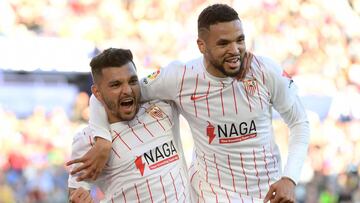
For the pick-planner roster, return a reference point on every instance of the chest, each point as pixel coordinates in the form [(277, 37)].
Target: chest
[(208, 99)]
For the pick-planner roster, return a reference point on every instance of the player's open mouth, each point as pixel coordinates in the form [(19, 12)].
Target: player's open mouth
[(127, 102), (233, 62)]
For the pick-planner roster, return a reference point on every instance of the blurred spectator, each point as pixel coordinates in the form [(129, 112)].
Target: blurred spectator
[(317, 42)]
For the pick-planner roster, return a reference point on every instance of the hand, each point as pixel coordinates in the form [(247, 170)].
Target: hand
[(80, 195), (93, 161), (281, 191)]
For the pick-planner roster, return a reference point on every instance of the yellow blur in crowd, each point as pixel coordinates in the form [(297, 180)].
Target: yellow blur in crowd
[(317, 42)]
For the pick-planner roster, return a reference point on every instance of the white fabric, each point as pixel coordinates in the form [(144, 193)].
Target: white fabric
[(235, 154), (154, 137)]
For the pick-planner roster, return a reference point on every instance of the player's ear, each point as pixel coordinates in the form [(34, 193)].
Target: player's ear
[(96, 92), (201, 45)]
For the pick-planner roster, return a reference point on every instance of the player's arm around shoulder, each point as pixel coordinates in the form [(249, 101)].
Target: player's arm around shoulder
[(79, 191), (162, 84)]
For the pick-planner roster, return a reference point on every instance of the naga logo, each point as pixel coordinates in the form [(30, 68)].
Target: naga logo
[(232, 133), (140, 165), (157, 157)]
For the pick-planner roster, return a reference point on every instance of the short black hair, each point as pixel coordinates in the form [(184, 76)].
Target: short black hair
[(216, 13), (111, 57)]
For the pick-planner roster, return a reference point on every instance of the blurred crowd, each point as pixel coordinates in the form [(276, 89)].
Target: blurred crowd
[(317, 42)]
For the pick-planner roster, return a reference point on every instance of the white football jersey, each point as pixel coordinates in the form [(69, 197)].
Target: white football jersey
[(235, 154), (146, 162)]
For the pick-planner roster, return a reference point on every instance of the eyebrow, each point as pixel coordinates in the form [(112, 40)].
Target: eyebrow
[(242, 36)]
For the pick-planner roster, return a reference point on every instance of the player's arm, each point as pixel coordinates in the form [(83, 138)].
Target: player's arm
[(78, 190), (80, 195), (95, 159), (284, 98), (296, 120)]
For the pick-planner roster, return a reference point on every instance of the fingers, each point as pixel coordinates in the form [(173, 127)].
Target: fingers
[(88, 174), (74, 161), (80, 168), (80, 195), (270, 194)]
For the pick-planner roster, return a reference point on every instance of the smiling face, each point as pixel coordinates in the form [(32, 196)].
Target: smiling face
[(118, 90), (223, 47)]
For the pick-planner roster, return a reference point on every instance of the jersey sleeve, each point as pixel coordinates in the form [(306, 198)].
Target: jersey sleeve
[(298, 123), (162, 84), (283, 91), (98, 119), (80, 145)]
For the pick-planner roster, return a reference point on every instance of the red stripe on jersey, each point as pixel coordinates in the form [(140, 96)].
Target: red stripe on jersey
[(204, 75), (112, 200), (217, 169), (115, 152), (173, 181), (145, 127), (212, 189), (160, 124), (137, 193), (133, 131), (206, 170), (168, 118), (196, 84), (227, 195), (242, 166), (257, 87), (202, 193), (182, 182), (123, 195), (181, 88), (233, 90), (148, 186), (192, 176), (242, 200), (221, 97), (232, 175), (90, 141), (273, 158), (247, 95), (163, 188), (261, 69), (267, 171), (257, 173), (118, 135), (207, 101)]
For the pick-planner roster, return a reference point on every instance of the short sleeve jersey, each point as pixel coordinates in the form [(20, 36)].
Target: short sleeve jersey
[(146, 163), (235, 155)]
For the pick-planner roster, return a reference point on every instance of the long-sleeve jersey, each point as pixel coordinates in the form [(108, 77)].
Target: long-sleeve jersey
[(235, 154), (146, 163)]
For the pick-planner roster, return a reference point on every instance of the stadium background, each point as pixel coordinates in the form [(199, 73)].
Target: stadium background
[(46, 45)]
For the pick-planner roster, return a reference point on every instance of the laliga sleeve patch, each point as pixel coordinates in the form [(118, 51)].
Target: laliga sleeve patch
[(151, 77)]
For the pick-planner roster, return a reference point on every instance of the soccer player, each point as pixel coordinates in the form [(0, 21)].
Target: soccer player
[(146, 163), (227, 96)]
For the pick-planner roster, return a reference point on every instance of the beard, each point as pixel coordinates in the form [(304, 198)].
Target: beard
[(220, 66)]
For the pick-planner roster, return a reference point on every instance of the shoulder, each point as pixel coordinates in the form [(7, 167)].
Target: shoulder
[(267, 66), (266, 63)]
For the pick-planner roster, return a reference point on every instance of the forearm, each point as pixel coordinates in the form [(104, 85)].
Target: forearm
[(98, 119), (297, 121)]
